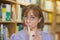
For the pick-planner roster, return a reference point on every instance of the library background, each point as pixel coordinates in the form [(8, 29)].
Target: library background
[(11, 16)]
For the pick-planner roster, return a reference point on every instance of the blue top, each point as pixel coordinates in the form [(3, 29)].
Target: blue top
[(22, 35)]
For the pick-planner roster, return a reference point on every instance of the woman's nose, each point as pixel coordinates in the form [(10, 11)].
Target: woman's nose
[(28, 21)]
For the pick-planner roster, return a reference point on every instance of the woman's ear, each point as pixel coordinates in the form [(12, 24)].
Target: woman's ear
[(40, 19)]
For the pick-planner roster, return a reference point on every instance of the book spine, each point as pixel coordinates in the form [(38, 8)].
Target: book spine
[(46, 16), (19, 14), (5, 31), (2, 32), (13, 13), (8, 12), (46, 28), (0, 13), (3, 12), (50, 17), (20, 27)]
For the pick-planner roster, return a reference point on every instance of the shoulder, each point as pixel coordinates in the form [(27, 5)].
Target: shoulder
[(18, 36), (47, 36)]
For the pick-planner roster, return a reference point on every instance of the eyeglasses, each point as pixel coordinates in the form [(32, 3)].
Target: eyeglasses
[(30, 18)]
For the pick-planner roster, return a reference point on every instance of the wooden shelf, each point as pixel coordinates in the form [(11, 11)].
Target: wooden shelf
[(8, 1), (51, 23), (10, 22), (20, 22), (7, 22), (47, 22), (58, 14), (47, 11), (58, 23), (25, 4)]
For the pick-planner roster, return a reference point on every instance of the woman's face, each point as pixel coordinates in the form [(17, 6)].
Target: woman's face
[(31, 20)]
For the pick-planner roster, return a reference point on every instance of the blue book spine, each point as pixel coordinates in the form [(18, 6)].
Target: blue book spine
[(20, 27), (5, 33), (0, 11), (0, 32)]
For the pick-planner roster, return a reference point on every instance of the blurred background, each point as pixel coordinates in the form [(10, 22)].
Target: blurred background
[(11, 16)]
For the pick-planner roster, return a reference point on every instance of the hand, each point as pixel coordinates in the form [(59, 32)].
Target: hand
[(37, 37)]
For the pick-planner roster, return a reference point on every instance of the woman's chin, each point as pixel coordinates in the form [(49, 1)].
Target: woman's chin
[(31, 28)]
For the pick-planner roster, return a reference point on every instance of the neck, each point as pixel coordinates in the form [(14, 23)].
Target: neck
[(36, 30)]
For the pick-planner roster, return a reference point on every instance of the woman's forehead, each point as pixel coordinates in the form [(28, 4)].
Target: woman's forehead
[(30, 12)]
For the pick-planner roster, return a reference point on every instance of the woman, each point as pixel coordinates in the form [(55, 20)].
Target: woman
[(33, 25)]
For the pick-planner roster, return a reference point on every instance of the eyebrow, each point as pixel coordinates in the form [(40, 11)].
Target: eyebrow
[(32, 16)]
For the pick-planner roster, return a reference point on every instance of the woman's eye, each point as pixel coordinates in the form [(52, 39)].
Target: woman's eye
[(32, 17), (25, 16)]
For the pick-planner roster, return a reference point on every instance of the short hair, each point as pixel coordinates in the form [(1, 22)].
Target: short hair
[(36, 11)]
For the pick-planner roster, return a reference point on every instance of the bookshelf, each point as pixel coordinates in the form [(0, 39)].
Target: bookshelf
[(15, 22), (47, 11), (11, 24), (10, 16), (53, 6)]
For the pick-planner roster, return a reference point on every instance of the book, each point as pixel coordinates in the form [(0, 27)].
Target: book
[(5, 31), (21, 1), (0, 31), (46, 16), (58, 19), (57, 28), (27, 2), (16, 29), (58, 7), (50, 17), (46, 28), (8, 12), (13, 14), (37, 1), (19, 18), (2, 34), (48, 5), (19, 28), (3, 12), (0, 13)]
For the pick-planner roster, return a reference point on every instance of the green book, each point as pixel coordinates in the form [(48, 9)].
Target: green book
[(8, 12), (8, 16), (37, 1), (20, 27)]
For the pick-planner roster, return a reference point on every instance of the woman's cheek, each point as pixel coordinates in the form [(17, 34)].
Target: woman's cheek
[(25, 23)]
